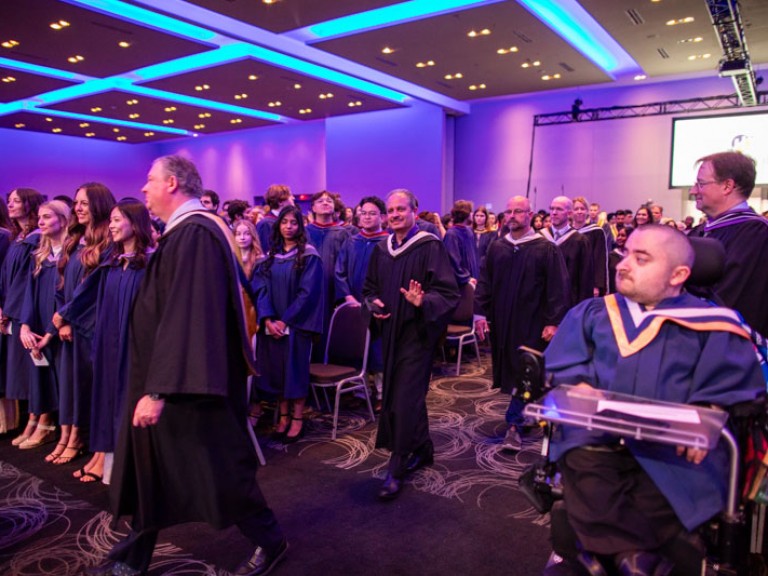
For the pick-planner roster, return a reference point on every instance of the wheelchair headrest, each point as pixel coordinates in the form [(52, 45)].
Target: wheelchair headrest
[(708, 263)]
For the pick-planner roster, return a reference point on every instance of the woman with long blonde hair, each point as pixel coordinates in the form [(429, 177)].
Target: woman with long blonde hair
[(36, 313)]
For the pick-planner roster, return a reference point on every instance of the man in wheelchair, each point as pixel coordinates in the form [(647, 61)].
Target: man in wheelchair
[(635, 506)]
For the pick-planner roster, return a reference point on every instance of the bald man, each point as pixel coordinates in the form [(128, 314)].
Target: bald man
[(523, 291), (575, 247), (639, 503)]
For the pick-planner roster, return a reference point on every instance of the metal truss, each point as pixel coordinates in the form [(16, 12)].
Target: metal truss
[(655, 109)]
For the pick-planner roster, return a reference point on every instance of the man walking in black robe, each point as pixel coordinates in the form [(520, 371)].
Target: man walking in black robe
[(411, 290), (724, 183), (184, 453), (523, 291)]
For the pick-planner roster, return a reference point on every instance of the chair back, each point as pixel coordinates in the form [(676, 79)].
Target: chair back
[(348, 337), (465, 310)]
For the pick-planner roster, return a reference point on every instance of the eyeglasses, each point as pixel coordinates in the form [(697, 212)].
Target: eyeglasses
[(369, 213), (701, 183)]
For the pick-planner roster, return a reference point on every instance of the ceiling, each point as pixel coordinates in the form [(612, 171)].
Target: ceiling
[(138, 71)]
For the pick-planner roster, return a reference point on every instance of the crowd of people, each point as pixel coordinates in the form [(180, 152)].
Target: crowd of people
[(122, 320)]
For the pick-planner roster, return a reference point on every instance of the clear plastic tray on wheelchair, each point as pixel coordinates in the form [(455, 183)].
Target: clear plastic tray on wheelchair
[(630, 416)]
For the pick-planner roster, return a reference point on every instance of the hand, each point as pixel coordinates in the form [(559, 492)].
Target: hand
[(276, 328), (380, 304), (351, 300), (695, 455), (481, 328), (28, 338), (473, 282), (65, 333), (43, 342), (414, 294), (57, 320), (595, 292), (147, 412), (548, 333), (587, 390)]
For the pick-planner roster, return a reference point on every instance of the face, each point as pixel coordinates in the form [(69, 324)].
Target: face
[(656, 211), (157, 191), (621, 238), (400, 214), (48, 222), (16, 206), (594, 212), (642, 217), (243, 237), (579, 213), (370, 217), (289, 227), (708, 191), (491, 220), (559, 213), (207, 203), (82, 207), (119, 226), (480, 219), (644, 273), (323, 205), (620, 218), (538, 222), (518, 214)]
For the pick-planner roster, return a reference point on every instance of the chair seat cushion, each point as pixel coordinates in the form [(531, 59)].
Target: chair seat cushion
[(458, 330), (329, 373)]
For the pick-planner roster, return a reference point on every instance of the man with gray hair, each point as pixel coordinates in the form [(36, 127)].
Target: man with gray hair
[(184, 453)]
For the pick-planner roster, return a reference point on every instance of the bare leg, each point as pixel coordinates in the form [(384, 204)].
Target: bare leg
[(63, 440), (74, 448), (96, 471), (297, 423)]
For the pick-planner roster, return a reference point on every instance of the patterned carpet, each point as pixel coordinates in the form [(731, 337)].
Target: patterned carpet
[(464, 515)]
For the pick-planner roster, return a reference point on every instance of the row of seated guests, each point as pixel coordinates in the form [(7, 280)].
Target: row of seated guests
[(67, 281)]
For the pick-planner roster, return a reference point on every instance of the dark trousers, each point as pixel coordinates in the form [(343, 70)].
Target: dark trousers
[(135, 550)]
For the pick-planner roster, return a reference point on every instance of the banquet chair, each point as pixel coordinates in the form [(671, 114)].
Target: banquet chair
[(345, 361)]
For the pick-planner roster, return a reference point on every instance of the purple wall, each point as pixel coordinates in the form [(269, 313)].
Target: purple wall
[(59, 164), (618, 163)]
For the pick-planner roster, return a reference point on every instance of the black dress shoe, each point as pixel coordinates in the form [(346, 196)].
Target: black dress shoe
[(260, 562), (422, 458), (391, 488)]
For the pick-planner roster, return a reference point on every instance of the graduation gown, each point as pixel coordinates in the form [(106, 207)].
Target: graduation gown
[(614, 344), (14, 278), (187, 340), (410, 334), (522, 288), (598, 243), (577, 253), (744, 285), (460, 243), (36, 312), (264, 231), (291, 295)]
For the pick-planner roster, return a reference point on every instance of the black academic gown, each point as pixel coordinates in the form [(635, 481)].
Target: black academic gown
[(187, 340), (744, 285), (598, 243), (576, 251), (410, 334), (523, 287)]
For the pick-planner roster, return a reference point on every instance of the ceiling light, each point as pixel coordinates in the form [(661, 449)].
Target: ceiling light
[(84, 124), (133, 116), (19, 125), (148, 134), (95, 109), (49, 119), (477, 87), (425, 64), (90, 134), (75, 59), (454, 76), (269, 1), (168, 121), (699, 56), (236, 121), (253, 77), (525, 65), (242, 96), (326, 95), (506, 50), (297, 86), (60, 25), (132, 102), (305, 111), (199, 126), (536, 63), (170, 109), (56, 130), (387, 50), (9, 44), (201, 87), (9, 79), (275, 104), (475, 33), (689, 40), (204, 115), (124, 44), (354, 104), (116, 130), (686, 20), (641, 77), (122, 138)]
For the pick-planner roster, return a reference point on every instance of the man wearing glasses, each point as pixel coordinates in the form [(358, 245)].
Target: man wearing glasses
[(523, 292), (723, 184)]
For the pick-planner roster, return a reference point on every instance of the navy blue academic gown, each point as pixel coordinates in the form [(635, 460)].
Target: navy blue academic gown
[(609, 344), (460, 243), (292, 296), (37, 312), (264, 231), (14, 276)]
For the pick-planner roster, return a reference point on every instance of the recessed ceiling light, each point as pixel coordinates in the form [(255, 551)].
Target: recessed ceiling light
[(124, 44), (95, 109), (75, 59), (115, 130), (506, 50), (199, 126), (454, 76), (425, 64), (242, 96), (699, 56), (204, 115), (326, 96), (477, 87), (148, 134), (201, 87), (170, 108), (9, 79), (19, 125), (297, 86), (305, 111), (686, 20), (253, 77), (134, 115), (122, 138), (49, 119), (270, 1), (476, 33), (354, 104), (691, 40), (90, 134), (641, 77), (236, 121), (56, 130), (9, 44), (275, 104), (84, 124), (168, 121), (387, 50), (132, 102), (60, 25), (536, 63)]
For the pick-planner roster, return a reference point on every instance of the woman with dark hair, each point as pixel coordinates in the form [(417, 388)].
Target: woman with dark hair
[(480, 228), (15, 363), (460, 243), (642, 217), (85, 249), (288, 287), (37, 332), (114, 284)]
